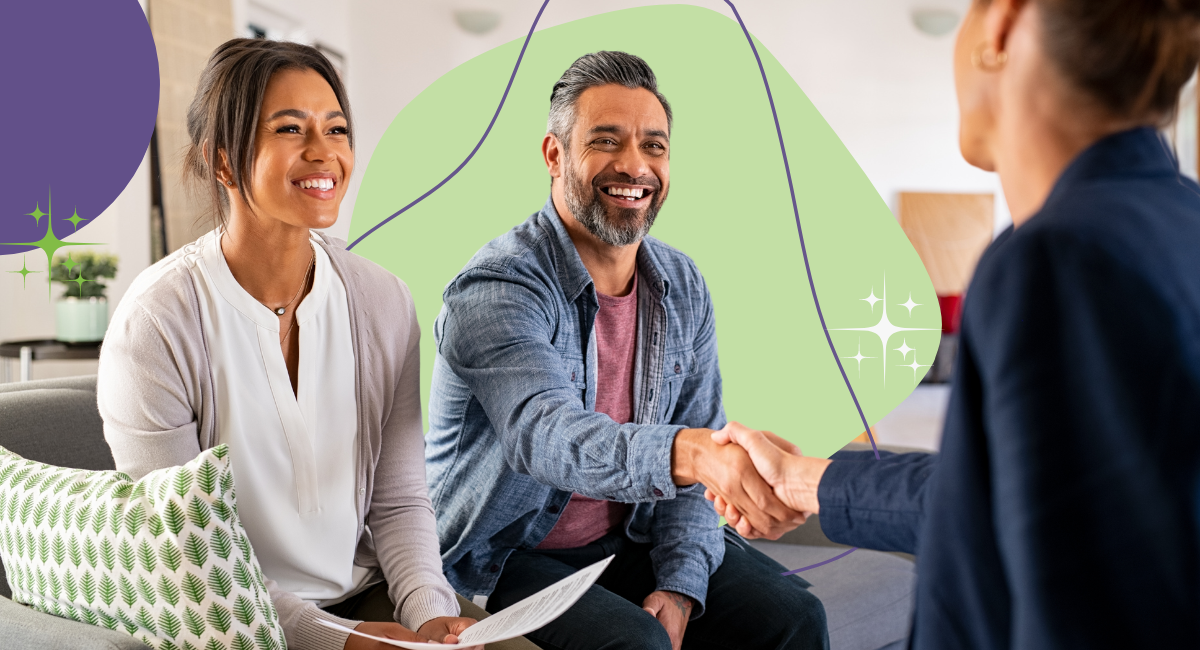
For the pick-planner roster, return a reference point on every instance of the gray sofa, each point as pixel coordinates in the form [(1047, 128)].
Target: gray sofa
[(867, 595)]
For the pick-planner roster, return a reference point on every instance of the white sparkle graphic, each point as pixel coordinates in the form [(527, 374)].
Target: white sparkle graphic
[(904, 350), (884, 329), (910, 304), (915, 366), (872, 299), (859, 357)]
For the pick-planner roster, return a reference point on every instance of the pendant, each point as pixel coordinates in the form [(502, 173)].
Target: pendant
[(281, 310)]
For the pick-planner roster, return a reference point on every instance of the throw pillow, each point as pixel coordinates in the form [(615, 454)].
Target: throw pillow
[(164, 558)]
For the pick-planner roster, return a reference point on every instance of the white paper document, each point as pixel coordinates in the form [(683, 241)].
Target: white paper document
[(520, 619)]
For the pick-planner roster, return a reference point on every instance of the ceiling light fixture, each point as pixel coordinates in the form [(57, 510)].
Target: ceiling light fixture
[(935, 22), (477, 21)]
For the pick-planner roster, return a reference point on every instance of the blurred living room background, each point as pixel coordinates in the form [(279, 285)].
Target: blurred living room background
[(879, 71)]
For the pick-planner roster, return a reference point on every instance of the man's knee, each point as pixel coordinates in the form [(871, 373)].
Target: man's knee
[(802, 620), (640, 633)]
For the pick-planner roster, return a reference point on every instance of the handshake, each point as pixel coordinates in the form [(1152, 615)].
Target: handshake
[(759, 482)]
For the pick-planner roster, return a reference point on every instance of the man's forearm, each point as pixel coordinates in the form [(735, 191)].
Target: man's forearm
[(687, 455)]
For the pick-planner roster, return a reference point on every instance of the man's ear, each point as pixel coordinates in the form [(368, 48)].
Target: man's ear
[(999, 21), (552, 152)]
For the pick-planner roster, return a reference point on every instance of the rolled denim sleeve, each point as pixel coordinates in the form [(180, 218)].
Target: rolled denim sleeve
[(688, 544), (496, 333)]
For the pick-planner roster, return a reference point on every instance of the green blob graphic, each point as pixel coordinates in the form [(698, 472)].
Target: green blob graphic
[(729, 209)]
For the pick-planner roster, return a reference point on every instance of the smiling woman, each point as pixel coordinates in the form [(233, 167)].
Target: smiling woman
[(206, 348)]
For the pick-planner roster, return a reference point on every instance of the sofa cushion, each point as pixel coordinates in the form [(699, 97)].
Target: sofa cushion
[(29, 629), (868, 596), (165, 558), (54, 421)]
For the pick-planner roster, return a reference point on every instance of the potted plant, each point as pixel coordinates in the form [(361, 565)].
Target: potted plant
[(82, 312)]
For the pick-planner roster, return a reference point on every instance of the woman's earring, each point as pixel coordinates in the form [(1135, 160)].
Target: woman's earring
[(229, 183), (989, 60)]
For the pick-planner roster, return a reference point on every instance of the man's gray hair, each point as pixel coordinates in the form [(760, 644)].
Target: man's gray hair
[(597, 69)]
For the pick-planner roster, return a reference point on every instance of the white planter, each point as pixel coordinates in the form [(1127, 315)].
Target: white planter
[(79, 320)]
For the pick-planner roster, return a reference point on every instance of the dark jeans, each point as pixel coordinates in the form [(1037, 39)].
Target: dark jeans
[(749, 604)]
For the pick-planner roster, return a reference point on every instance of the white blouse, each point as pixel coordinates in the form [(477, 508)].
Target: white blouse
[(293, 454)]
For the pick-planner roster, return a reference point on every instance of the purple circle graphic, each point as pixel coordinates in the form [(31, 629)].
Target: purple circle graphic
[(82, 99)]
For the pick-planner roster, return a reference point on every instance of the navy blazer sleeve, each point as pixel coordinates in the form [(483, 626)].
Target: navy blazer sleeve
[(875, 504)]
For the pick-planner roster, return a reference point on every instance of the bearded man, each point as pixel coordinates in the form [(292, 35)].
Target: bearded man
[(575, 391)]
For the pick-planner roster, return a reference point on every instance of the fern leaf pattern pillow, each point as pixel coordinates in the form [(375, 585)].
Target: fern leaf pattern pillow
[(165, 558)]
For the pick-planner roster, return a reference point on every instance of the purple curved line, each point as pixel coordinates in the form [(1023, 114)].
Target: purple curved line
[(477, 146), (813, 566), (800, 231)]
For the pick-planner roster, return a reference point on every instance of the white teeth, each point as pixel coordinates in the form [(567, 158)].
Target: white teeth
[(316, 183), (631, 194)]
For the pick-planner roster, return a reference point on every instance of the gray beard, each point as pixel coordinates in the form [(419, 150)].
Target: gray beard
[(628, 226)]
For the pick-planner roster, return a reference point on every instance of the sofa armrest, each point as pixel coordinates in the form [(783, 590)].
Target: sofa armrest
[(23, 627)]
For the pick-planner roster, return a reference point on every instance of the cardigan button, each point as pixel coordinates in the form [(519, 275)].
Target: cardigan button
[(658, 492), (572, 376), (553, 510), (677, 368), (494, 568)]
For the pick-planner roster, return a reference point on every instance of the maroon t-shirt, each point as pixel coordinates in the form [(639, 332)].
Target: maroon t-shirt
[(586, 520)]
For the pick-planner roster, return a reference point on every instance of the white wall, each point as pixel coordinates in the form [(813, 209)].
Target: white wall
[(26, 313), (885, 88)]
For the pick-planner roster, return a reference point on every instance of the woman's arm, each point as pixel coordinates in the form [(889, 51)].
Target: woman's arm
[(145, 394), (400, 515), (148, 385)]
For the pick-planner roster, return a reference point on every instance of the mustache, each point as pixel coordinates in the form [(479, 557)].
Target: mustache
[(650, 181)]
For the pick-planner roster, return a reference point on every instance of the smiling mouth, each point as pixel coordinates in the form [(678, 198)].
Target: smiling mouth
[(631, 194), (315, 184)]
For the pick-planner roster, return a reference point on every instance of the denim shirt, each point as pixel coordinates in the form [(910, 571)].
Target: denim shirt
[(512, 424)]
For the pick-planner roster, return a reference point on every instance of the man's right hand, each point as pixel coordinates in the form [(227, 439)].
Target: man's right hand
[(794, 477), (728, 471)]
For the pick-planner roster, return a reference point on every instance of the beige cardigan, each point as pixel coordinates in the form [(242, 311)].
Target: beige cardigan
[(155, 393)]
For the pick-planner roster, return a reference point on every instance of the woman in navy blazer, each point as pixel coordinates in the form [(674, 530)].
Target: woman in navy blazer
[(1063, 509)]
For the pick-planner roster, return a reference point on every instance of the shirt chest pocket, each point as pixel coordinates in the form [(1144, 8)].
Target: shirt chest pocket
[(574, 374), (678, 365)]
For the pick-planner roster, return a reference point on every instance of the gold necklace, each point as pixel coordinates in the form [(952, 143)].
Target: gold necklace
[(282, 309)]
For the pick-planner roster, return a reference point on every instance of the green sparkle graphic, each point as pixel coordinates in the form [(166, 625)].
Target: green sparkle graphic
[(49, 243), (75, 219), (24, 272), (79, 280), (70, 263), (37, 213)]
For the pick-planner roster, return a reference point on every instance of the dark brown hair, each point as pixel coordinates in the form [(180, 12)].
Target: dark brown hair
[(1130, 56), (224, 114)]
